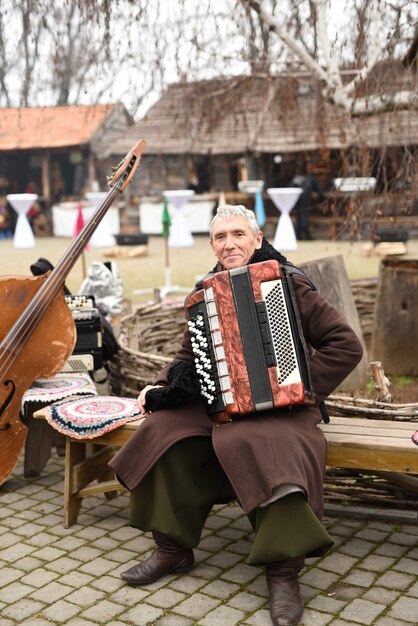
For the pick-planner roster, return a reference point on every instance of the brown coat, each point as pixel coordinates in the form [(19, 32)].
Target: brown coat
[(264, 451)]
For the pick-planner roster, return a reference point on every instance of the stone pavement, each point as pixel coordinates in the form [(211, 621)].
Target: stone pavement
[(52, 575)]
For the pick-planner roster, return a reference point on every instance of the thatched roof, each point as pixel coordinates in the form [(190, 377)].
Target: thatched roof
[(281, 114)]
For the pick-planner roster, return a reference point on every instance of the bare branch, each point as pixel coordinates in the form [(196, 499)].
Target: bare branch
[(375, 51), (287, 38)]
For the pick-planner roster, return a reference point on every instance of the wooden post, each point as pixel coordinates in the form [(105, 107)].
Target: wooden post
[(46, 184)]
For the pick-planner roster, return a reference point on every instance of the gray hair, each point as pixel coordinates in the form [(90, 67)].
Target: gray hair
[(228, 211)]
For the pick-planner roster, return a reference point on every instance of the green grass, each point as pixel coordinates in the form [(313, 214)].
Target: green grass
[(186, 264)]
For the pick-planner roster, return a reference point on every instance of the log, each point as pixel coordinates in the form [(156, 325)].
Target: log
[(395, 337), (330, 277)]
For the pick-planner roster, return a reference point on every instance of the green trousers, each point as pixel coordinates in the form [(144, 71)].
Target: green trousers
[(177, 495)]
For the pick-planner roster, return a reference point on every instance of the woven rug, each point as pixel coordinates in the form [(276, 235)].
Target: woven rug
[(91, 416), (47, 390)]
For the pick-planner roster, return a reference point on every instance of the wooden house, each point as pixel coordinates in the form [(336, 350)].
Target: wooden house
[(53, 151), (209, 135)]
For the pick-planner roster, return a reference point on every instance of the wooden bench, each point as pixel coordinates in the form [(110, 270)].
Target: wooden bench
[(355, 443)]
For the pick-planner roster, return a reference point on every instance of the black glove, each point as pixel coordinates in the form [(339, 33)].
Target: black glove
[(183, 388)]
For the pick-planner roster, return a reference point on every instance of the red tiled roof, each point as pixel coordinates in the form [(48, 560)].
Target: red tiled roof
[(51, 127)]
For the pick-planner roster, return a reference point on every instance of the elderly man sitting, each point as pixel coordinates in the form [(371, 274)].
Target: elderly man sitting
[(179, 462)]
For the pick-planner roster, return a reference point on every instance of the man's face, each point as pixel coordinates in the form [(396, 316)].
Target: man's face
[(233, 241)]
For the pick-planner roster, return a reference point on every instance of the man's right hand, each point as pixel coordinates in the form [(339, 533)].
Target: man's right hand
[(141, 398)]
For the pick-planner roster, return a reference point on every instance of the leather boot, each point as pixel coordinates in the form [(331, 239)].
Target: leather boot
[(169, 558), (286, 607)]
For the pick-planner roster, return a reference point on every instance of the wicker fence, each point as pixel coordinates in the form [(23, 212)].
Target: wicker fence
[(148, 339)]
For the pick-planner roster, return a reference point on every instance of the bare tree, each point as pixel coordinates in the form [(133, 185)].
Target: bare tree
[(84, 51), (326, 60)]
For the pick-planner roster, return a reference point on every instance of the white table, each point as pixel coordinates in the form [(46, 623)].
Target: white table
[(21, 203), (198, 214), (102, 236), (284, 199), (180, 233), (64, 216)]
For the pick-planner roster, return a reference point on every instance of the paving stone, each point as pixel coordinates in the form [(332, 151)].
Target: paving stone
[(338, 563), (407, 565), (318, 578), (15, 552), (362, 611), (98, 567), (60, 612), (51, 592), (377, 563), (85, 596), (29, 530), (15, 591), (143, 614), (374, 535), (103, 612), (327, 604), (119, 555), (48, 553), (8, 575), (109, 584), (207, 571), (63, 565), (396, 580), (28, 564), (390, 549), (80, 621), (21, 609), (224, 559), (8, 539), (231, 533), (224, 615), (381, 595), (389, 621), (166, 598), (347, 592), (241, 573), (316, 618), (130, 596), (86, 553), (404, 538), (220, 589), (405, 608), (34, 621), (188, 583), (174, 620), (69, 543), (259, 618), (360, 578), (38, 578), (357, 548), (247, 602), (106, 544), (197, 606)]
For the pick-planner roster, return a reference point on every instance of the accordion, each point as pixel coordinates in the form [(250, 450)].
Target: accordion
[(88, 352), (249, 351)]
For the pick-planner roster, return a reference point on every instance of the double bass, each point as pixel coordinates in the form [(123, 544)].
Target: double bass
[(37, 330)]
